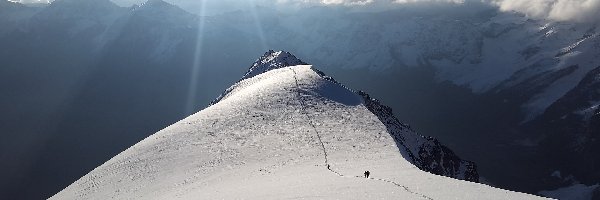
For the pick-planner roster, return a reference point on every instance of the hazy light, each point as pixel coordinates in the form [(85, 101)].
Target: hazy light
[(194, 75)]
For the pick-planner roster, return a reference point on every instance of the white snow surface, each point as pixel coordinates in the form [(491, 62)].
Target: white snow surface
[(270, 137)]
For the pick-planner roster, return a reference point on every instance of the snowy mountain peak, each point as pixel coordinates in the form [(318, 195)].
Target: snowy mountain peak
[(283, 134), (425, 152), (272, 60), (269, 61)]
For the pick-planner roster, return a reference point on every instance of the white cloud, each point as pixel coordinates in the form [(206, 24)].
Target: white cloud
[(363, 2), (349, 2), (416, 1), (562, 10)]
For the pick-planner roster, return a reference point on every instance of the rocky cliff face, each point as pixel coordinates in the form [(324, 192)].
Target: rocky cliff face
[(427, 153)]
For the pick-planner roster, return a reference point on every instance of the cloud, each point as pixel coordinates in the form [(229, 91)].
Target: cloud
[(562, 10), (417, 1), (362, 2), (348, 2)]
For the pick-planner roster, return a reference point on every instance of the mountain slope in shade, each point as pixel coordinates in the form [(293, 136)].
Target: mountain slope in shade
[(569, 131), (289, 132)]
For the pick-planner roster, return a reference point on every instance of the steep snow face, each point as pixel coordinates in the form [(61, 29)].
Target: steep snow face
[(285, 133)]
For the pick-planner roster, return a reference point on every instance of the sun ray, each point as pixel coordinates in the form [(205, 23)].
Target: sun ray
[(196, 67)]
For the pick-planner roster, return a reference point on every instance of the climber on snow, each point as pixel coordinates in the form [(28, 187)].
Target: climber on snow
[(367, 173)]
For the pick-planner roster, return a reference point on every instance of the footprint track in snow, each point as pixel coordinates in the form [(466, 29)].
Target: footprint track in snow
[(304, 106)]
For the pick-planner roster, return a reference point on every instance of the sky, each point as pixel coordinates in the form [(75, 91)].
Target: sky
[(560, 10)]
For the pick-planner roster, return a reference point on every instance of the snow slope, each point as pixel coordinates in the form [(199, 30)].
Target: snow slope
[(274, 136)]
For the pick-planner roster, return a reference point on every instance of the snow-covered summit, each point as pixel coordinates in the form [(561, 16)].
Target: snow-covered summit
[(269, 61), (426, 153), (285, 133), (272, 60)]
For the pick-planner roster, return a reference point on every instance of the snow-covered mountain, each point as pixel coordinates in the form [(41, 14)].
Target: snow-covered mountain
[(426, 153), (286, 132), (479, 80)]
